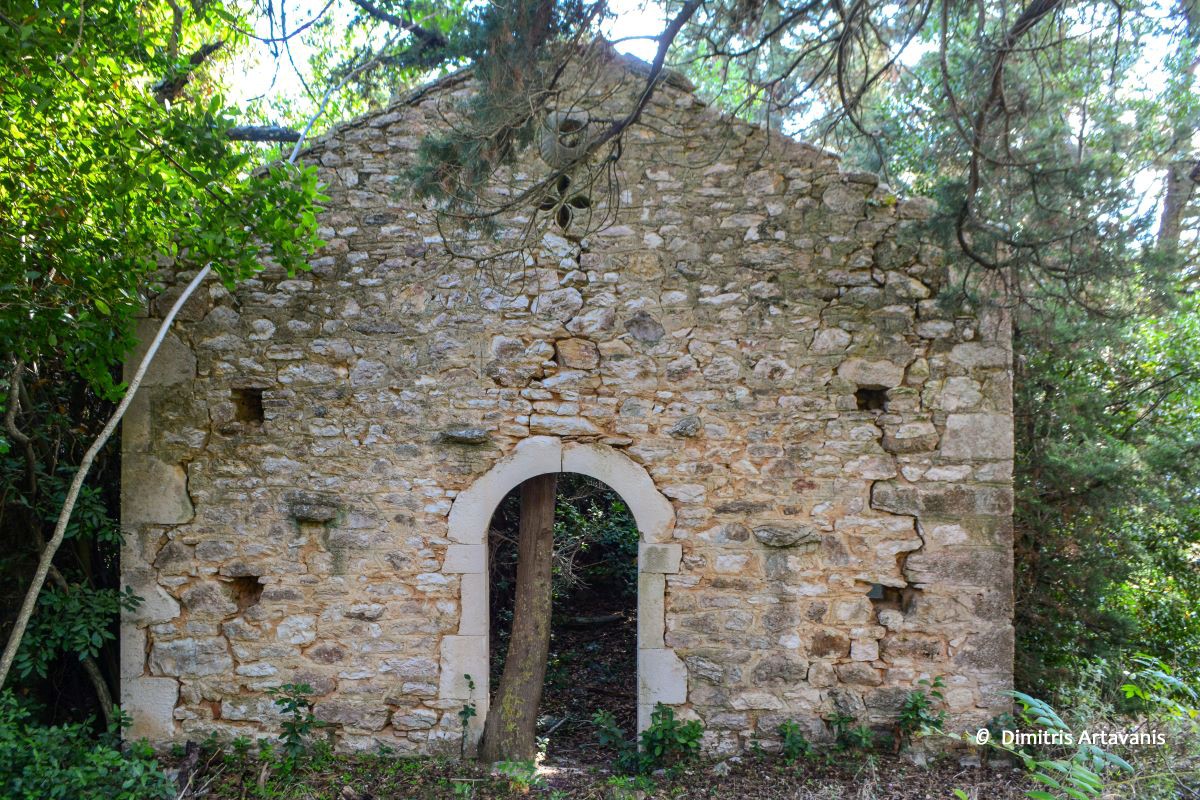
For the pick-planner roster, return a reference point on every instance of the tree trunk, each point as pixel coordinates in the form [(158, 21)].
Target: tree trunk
[(1177, 192), (510, 732)]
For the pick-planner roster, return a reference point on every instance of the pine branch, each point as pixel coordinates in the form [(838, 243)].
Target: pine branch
[(426, 37)]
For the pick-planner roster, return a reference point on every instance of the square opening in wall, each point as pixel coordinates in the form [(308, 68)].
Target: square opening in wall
[(247, 405), (871, 398)]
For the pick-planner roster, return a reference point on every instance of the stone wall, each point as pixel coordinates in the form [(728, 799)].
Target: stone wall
[(757, 333)]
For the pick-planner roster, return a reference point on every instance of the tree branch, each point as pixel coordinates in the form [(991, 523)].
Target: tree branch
[(64, 516), (425, 36), (262, 133), (171, 87)]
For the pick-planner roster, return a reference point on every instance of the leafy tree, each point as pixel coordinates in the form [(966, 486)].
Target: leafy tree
[(116, 161)]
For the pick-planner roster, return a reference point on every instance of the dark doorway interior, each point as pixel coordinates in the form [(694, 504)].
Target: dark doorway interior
[(592, 664)]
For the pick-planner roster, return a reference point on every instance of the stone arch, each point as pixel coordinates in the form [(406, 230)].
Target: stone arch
[(662, 677)]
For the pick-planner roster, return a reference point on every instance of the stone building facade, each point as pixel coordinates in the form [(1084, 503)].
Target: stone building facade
[(818, 452)]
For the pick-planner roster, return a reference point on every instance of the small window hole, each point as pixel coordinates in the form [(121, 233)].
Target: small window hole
[(245, 591), (248, 405), (901, 599), (871, 398)]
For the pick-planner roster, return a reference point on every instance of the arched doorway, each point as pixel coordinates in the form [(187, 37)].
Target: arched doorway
[(662, 677)]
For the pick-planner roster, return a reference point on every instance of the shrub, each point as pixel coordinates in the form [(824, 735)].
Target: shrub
[(921, 712), (666, 743), (849, 736), (1151, 754), (792, 743), (66, 761), (300, 724)]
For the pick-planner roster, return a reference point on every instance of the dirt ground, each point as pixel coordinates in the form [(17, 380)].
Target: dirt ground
[(387, 778), (592, 668)]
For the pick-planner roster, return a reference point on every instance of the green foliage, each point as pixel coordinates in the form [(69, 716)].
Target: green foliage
[(629, 787), (595, 542), (921, 713), (96, 174), (67, 762), (465, 714), (611, 736), (521, 775), (847, 735), (1157, 687), (666, 743), (594, 534), (1107, 518), (300, 722), (1079, 775), (1147, 752), (507, 44), (859, 737), (75, 621), (793, 745)]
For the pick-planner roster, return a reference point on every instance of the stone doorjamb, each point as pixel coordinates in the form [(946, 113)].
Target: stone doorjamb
[(662, 677)]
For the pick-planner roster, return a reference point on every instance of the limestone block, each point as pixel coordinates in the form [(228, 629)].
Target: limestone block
[(191, 657), (157, 605), (133, 652), (207, 599), (662, 678), (830, 340), (552, 425), (959, 394), (976, 354), (153, 491), (911, 437), (462, 656), (645, 328), (661, 558), (686, 428), (365, 716), (978, 436), (559, 304), (464, 434), (785, 535), (872, 373), (987, 650), (173, 363), (651, 618), (297, 629), (967, 566), (473, 605), (250, 709), (461, 558), (151, 704), (864, 650), (577, 353), (135, 425)]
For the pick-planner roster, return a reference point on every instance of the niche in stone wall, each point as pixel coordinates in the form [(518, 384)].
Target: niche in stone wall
[(871, 398), (248, 405)]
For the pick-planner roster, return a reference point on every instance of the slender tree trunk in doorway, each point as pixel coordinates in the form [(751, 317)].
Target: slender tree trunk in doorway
[(510, 732)]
